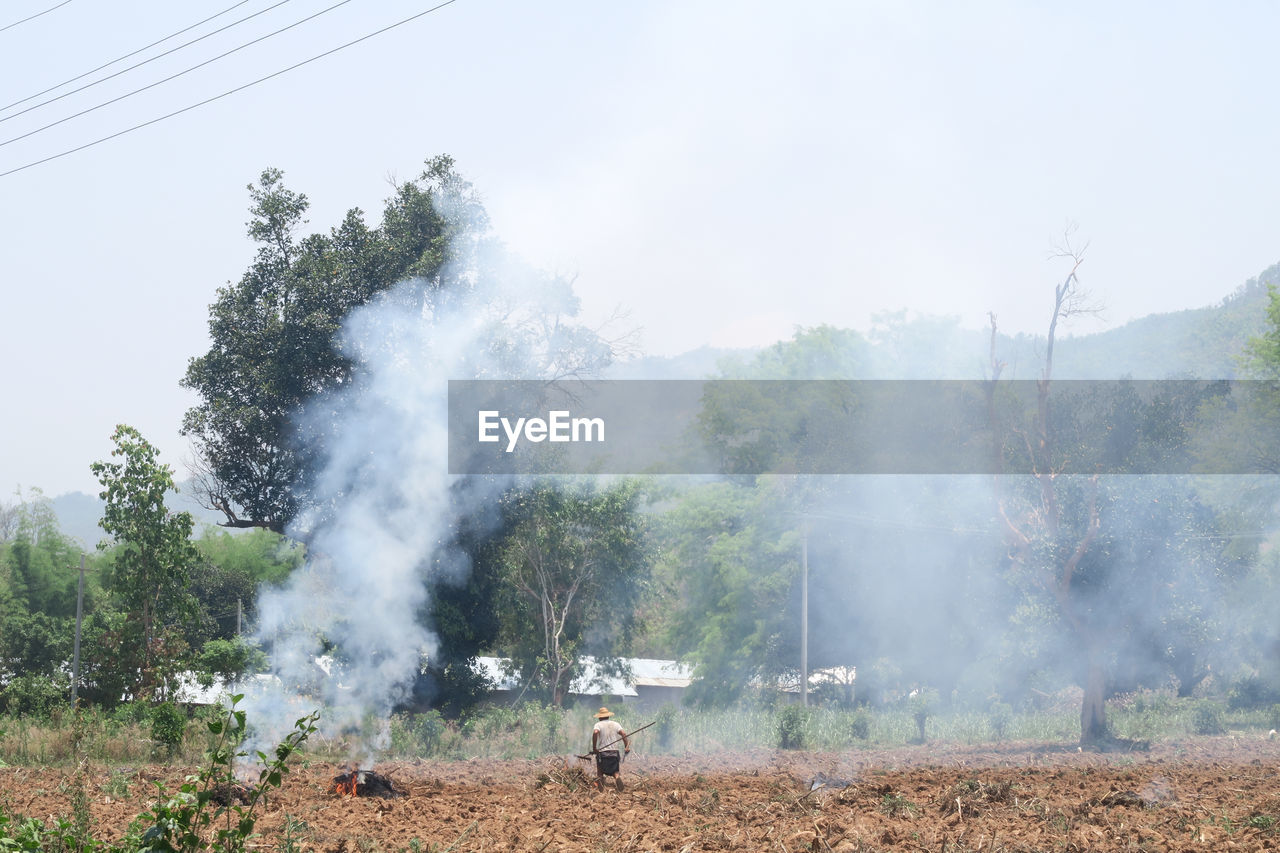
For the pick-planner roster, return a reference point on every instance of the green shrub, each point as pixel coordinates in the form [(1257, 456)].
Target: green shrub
[(1252, 692), (34, 696), (168, 725), (31, 833), (791, 725), (181, 821), (923, 704), (896, 805), (420, 735), (860, 725), (1152, 701), (229, 660), (135, 713), (1207, 719), (1264, 822)]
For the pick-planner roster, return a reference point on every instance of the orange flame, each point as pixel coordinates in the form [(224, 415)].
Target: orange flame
[(345, 785)]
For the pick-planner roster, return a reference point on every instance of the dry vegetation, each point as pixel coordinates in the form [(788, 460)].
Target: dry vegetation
[(1195, 794)]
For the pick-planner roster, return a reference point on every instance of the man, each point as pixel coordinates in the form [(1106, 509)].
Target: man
[(605, 735)]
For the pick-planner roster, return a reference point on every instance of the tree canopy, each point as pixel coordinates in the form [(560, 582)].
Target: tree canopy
[(149, 575), (273, 332), (573, 565)]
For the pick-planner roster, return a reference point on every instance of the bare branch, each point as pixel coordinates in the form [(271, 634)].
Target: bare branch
[(997, 366), (210, 493), (626, 343), (1070, 299), (9, 516)]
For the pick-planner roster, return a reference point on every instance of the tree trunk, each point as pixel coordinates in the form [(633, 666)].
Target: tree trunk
[(1093, 711)]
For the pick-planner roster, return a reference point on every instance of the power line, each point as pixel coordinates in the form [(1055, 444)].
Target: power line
[(145, 61), (164, 80), (33, 17), (228, 92), (123, 58)]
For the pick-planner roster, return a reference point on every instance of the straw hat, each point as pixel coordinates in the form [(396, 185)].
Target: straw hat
[(603, 714)]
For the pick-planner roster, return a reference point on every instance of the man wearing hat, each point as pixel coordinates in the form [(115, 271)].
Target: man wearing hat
[(606, 733)]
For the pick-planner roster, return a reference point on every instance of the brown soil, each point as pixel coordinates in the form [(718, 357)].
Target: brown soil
[(1205, 795)]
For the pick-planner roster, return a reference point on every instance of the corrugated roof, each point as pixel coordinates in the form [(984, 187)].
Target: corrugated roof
[(593, 683), (651, 672), (645, 672), (494, 669), (191, 692)]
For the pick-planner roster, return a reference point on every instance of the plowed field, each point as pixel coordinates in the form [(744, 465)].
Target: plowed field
[(1205, 795)]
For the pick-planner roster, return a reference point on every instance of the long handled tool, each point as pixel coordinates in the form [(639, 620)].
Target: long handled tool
[(587, 757)]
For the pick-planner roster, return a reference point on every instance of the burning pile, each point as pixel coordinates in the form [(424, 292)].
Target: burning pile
[(365, 783)]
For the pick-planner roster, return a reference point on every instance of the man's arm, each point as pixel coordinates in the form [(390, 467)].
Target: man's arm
[(626, 741), (595, 739)]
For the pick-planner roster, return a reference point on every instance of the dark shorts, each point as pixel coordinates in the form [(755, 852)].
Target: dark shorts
[(608, 761)]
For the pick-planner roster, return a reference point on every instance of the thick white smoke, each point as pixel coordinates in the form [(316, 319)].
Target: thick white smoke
[(383, 502)]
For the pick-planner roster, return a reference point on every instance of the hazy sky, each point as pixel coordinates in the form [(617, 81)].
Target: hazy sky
[(725, 171)]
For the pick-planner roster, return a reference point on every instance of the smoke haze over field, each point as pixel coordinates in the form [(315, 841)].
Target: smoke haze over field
[(386, 509)]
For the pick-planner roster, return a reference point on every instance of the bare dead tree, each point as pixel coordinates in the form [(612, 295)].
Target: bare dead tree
[(552, 581), (1057, 572)]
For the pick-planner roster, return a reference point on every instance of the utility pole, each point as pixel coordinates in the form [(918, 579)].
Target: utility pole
[(804, 615), (75, 654)]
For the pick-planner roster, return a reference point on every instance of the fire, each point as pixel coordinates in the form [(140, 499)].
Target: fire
[(370, 784), (345, 784)]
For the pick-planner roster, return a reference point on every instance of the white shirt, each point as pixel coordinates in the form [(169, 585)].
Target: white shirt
[(608, 731)]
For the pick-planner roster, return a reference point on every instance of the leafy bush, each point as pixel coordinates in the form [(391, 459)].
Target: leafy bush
[(896, 805), (1207, 719), (168, 725), (488, 723), (421, 735), (860, 725), (791, 725), (923, 704), (1252, 692), (229, 660), (34, 695), (136, 713), (181, 823), (30, 834)]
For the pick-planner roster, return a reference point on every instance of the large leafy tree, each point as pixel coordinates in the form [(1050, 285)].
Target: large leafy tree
[(276, 381), (574, 566), (729, 559), (151, 562), (273, 332)]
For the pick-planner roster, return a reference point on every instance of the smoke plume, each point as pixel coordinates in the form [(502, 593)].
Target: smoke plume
[(379, 527)]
